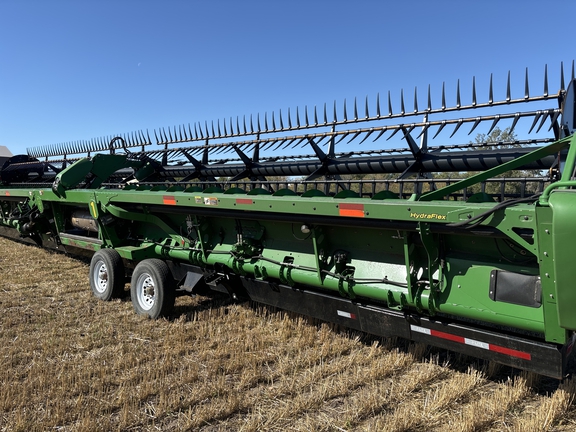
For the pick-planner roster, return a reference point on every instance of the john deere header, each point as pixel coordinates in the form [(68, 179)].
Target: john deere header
[(450, 224)]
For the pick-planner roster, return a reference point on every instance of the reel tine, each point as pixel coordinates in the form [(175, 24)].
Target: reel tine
[(367, 114), (325, 116), (156, 135), (562, 86), (306, 115), (278, 141), (572, 70), (292, 140), (354, 137), (206, 130), (213, 133), (344, 110), (258, 121), (402, 110), (218, 128), (415, 99), (460, 121), (266, 122), (127, 140), (335, 116), (284, 143), (237, 125), (508, 97), (281, 121), (544, 117), (341, 138), (380, 134), (223, 148), (473, 92), (289, 119), (224, 125), (458, 104), (366, 137), (319, 142), (526, 87), (275, 141), (251, 125), (496, 120), (396, 129), (546, 78), (190, 132), (424, 129), (267, 146), (443, 96), (298, 117), (355, 109), (378, 105), (304, 138), (315, 116), (389, 105), (476, 123), (244, 124), (554, 118), (491, 92), (429, 106), (516, 118)]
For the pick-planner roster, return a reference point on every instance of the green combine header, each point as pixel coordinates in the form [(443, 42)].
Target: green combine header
[(415, 229)]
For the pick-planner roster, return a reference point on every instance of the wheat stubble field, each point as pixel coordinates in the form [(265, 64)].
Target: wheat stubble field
[(73, 363)]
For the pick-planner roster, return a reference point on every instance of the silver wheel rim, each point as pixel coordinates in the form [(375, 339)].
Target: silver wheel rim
[(145, 291), (100, 277)]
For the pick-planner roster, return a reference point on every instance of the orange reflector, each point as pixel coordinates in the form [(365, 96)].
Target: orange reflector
[(169, 200), (353, 210), (243, 201)]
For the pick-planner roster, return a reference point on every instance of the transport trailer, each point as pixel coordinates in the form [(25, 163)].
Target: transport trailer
[(481, 264)]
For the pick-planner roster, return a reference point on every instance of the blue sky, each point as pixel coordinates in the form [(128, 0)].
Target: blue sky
[(74, 70)]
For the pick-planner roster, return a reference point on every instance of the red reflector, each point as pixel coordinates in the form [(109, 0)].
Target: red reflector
[(244, 201), (447, 336), (169, 200), (353, 210), (511, 352), (7, 193)]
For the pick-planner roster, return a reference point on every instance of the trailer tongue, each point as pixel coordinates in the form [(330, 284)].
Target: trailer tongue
[(425, 240)]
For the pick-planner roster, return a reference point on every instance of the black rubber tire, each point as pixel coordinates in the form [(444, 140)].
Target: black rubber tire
[(107, 274), (152, 289)]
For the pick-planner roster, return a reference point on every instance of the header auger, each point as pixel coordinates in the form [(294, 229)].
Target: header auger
[(418, 250)]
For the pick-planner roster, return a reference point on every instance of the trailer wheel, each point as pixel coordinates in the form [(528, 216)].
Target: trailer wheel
[(152, 288), (107, 274)]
